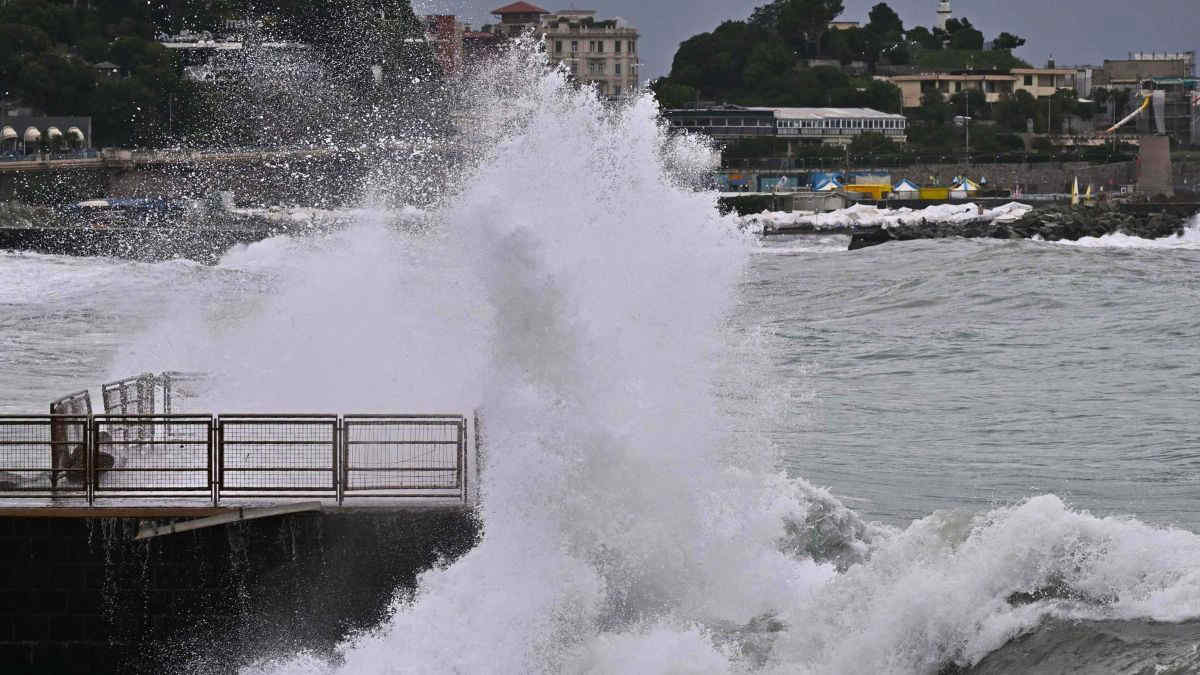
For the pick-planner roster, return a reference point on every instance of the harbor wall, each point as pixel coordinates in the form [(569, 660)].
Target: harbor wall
[(80, 595)]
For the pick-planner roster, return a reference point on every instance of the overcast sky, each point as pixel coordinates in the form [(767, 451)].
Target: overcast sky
[(1076, 32)]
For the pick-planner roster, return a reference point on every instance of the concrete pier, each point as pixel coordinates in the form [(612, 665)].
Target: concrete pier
[(80, 595)]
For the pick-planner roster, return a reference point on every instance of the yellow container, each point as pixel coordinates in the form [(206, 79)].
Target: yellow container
[(935, 193), (872, 191)]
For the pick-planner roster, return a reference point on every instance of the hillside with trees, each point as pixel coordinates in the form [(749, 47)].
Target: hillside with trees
[(774, 57), (49, 50), (783, 55)]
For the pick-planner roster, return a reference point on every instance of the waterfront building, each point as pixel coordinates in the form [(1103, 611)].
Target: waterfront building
[(835, 126), (724, 122)]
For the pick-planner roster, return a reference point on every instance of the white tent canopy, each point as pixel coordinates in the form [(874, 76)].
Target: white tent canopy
[(32, 135), (8, 134), (75, 134), (53, 133)]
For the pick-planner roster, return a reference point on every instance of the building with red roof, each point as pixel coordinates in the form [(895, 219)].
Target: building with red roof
[(519, 16)]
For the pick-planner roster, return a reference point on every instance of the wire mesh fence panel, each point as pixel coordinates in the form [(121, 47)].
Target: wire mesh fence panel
[(67, 439), (131, 396), (43, 455), (392, 454), (178, 388), (153, 453), (278, 454)]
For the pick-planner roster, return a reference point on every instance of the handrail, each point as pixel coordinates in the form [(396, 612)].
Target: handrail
[(233, 456)]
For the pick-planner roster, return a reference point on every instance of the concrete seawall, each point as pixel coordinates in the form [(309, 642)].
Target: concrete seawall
[(80, 595)]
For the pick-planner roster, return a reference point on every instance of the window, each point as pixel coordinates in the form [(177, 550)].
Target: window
[(1045, 80), (617, 46), (616, 90), (574, 46), (1028, 80), (596, 67), (617, 67), (632, 47), (958, 86), (600, 46), (558, 46)]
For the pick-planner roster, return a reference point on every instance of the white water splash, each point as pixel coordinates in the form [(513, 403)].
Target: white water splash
[(577, 291), (1188, 239)]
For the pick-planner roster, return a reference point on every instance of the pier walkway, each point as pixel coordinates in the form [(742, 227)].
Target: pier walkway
[(202, 465)]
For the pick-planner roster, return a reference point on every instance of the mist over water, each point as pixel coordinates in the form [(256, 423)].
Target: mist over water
[(637, 517)]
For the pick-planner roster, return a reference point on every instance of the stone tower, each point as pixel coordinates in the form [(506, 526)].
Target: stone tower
[(943, 13)]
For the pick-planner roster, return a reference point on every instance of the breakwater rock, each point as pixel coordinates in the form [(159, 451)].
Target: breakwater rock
[(1055, 223)]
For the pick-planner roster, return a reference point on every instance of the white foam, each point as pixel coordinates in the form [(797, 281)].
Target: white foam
[(861, 215), (1188, 239)]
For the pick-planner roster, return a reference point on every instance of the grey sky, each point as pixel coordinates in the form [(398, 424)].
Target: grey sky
[(1074, 31)]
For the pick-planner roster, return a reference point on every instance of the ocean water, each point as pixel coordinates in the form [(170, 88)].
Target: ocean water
[(707, 452)]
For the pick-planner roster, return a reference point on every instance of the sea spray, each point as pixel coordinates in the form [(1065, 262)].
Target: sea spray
[(609, 515), (577, 290)]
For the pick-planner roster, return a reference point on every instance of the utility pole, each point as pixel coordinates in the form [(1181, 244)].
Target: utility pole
[(967, 121)]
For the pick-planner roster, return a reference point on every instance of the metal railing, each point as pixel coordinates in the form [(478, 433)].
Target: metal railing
[(87, 458)]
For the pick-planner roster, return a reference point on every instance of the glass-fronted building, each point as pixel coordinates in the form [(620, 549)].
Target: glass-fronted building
[(811, 125)]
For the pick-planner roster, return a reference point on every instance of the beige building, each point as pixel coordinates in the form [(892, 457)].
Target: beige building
[(1040, 82), (913, 87), (1044, 82), (603, 52)]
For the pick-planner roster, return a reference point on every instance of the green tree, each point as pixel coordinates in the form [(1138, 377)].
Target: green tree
[(768, 60), (934, 108), (673, 95), (1013, 110), (803, 23), (873, 144), (972, 100), (1007, 41), (922, 38), (963, 35), (883, 33)]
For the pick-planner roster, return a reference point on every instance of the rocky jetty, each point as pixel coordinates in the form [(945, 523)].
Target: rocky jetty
[(1054, 223)]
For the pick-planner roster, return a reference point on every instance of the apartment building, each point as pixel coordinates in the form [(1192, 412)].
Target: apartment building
[(1039, 82), (600, 51), (993, 85), (1044, 82)]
